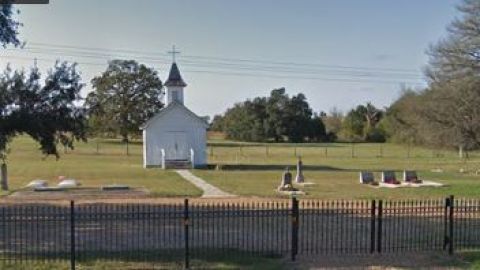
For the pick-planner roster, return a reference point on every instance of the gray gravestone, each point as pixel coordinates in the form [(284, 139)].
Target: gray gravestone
[(410, 176), (299, 178), (389, 177), (366, 177), (286, 178)]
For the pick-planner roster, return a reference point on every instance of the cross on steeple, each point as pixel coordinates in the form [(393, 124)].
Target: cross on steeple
[(173, 52)]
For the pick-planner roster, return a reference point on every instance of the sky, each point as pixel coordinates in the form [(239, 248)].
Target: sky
[(339, 53)]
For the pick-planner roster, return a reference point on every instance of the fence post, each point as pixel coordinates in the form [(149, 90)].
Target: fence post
[(295, 216), (372, 232), (186, 223), (450, 237), (379, 227), (445, 223), (72, 235)]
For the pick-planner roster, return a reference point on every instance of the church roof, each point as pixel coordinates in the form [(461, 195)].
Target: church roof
[(174, 78), (170, 107)]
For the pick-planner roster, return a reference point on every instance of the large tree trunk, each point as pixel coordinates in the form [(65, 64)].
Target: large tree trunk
[(460, 151), (4, 177)]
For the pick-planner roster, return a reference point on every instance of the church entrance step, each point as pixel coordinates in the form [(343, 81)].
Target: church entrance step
[(178, 164)]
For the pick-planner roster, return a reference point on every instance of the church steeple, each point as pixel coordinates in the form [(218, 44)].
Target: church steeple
[(174, 83), (174, 77)]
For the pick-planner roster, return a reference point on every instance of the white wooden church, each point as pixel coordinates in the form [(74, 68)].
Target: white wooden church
[(175, 137)]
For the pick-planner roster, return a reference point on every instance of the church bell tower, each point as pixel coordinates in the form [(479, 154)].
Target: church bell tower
[(174, 83), (174, 86)]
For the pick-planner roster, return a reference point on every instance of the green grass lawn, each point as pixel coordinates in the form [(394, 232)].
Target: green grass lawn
[(256, 169), (253, 169), (110, 165), (213, 262)]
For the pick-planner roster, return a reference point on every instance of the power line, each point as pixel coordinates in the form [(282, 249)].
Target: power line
[(231, 66), (240, 74), (236, 67), (223, 59)]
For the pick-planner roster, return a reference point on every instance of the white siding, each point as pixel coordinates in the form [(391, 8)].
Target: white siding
[(175, 120)]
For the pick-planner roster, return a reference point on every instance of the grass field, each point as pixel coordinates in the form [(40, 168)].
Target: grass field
[(253, 169), (217, 262), (110, 165)]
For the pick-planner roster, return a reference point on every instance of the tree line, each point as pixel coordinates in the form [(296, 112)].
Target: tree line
[(277, 117), (444, 114), (280, 118)]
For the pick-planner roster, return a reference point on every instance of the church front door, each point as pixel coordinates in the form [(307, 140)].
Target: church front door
[(177, 146)]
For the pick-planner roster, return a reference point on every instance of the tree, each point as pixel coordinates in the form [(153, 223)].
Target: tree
[(47, 112), (298, 119), (458, 55), (125, 96), (218, 123), (317, 131), (403, 121), (353, 124), (8, 26), (361, 124), (372, 132), (451, 106), (277, 117), (275, 109), (372, 115), (333, 121), (245, 120)]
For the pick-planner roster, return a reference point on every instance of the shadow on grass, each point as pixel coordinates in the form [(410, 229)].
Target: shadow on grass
[(272, 144), (274, 167)]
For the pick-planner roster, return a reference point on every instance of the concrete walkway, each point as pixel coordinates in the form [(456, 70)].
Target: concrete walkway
[(209, 191)]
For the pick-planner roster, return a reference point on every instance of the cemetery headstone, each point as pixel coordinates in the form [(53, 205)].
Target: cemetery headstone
[(366, 177), (389, 177), (410, 177), (286, 184)]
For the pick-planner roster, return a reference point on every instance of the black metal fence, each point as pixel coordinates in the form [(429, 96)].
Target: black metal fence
[(185, 233)]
